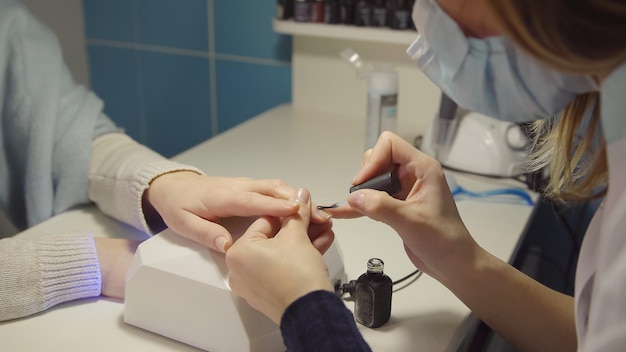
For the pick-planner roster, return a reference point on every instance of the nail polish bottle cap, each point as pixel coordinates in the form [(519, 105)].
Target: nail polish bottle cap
[(375, 266)]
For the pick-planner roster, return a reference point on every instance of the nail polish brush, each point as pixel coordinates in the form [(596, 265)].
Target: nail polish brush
[(388, 182)]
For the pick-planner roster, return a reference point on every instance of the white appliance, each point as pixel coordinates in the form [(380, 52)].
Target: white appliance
[(481, 145), (179, 289)]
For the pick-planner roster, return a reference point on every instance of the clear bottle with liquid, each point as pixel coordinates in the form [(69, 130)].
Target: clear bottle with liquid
[(382, 95), (373, 295), (382, 103)]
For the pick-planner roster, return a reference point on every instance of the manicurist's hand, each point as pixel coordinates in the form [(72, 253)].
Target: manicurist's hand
[(192, 204), (274, 262), (424, 213), (425, 216)]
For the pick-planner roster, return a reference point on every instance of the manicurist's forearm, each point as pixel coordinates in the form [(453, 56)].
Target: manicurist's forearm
[(526, 313)]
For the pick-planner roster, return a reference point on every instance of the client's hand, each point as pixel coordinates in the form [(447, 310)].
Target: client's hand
[(114, 256), (192, 204), (274, 262)]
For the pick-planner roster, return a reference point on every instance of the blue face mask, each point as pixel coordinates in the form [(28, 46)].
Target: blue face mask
[(490, 76)]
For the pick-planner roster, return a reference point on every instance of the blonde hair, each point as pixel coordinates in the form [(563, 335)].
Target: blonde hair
[(581, 37), (578, 169)]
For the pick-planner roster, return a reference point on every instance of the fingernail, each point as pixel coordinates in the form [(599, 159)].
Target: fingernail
[(324, 215), (357, 199), (302, 196), (220, 243)]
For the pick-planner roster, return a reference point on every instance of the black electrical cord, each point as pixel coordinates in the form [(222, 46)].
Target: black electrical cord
[(535, 182), (414, 275), (417, 271)]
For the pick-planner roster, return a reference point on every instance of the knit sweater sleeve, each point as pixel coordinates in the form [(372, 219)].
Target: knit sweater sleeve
[(121, 171), (320, 321), (38, 274)]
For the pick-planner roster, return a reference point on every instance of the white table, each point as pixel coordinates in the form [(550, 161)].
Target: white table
[(306, 149)]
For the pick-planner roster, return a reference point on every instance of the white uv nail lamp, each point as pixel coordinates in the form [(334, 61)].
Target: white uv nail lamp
[(179, 289)]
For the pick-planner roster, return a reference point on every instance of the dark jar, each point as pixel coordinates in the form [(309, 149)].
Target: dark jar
[(373, 295)]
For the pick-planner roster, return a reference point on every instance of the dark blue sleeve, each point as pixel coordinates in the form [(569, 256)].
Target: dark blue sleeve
[(320, 321)]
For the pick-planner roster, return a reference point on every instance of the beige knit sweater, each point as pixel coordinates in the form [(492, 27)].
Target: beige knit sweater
[(48, 123), (38, 274)]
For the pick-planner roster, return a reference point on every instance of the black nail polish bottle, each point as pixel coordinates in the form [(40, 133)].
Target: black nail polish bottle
[(373, 295)]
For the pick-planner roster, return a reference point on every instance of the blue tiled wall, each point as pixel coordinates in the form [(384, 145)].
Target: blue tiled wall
[(173, 73)]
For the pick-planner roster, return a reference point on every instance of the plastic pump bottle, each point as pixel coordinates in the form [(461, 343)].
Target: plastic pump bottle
[(382, 96), (382, 103)]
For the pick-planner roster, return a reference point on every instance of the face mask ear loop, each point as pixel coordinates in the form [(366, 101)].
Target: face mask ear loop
[(421, 52)]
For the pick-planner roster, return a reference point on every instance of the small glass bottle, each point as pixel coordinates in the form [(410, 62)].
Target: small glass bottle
[(363, 13), (391, 12), (318, 7), (332, 13), (379, 13), (348, 9), (373, 295), (302, 11), (284, 9), (401, 18)]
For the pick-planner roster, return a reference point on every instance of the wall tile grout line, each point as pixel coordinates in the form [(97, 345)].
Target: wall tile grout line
[(143, 118), (120, 32), (253, 60), (212, 68), (185, 52), (146, 47)]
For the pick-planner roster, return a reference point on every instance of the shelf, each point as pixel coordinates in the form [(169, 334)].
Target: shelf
[(347, 32)]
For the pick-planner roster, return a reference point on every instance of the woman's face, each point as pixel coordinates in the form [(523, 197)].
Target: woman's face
[(475, 20), (472, 16)]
